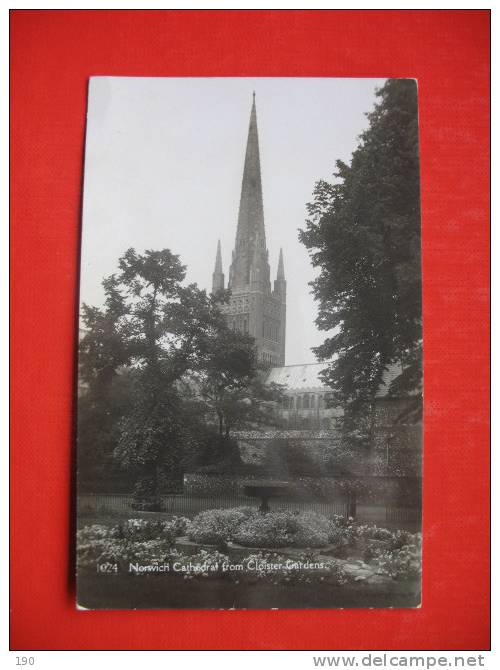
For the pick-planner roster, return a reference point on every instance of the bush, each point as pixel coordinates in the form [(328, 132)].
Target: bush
[(372, 532), (180, 525), (346, 533), (401, 538), (146, 497), (139, 530), (340, 521), (341, 531), (217, 526), (403, 563), (283, 529)]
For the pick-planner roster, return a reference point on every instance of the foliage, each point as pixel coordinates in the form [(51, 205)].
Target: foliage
[(232, 388), (181, 367), (168, 326), (146, 496), (100, 407), (217, 526), (363, 234), (373, 532), (130, 541), (395, 553), (402, 563), (145, 529), (159, 329), (246, 526), (283, 529), (150, 542), (300, 461)]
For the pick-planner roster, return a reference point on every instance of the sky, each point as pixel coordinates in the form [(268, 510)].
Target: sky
[(164, 163)]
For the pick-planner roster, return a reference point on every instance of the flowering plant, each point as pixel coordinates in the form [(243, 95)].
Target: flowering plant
[(402, 563), (217, 526), (283, 529)]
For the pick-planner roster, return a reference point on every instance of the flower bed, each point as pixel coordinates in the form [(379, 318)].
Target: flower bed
[(247, 527), (132, 540), (361, 551)]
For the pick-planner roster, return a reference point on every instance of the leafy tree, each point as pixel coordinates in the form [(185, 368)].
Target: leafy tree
[(232, 389), (169, 327), (363, 234), (104, 392), (158, 329)]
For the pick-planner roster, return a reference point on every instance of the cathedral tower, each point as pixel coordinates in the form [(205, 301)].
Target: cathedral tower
[(254, 307)]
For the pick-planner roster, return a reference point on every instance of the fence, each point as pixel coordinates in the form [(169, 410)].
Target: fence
[(92, 504), (189, 505)]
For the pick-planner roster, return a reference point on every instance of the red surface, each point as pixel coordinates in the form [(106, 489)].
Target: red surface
[(53, 54)]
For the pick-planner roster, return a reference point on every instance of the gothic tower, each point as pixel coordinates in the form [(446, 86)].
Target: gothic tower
[(254, 307)]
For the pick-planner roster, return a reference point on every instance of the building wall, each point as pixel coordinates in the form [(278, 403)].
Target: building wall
[(308, 410)]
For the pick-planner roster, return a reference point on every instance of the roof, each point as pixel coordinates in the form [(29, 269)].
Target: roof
[(306, 377), (298, 377)]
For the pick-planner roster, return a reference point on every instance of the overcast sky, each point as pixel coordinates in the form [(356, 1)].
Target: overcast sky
[(164, 162)]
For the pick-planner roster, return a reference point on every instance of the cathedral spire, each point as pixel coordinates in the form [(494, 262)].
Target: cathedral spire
[(281, 267), (250, 233), (218, 275), (252, 306), (280, 283)]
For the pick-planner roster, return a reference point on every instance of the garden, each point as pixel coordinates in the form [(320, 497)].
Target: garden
[(238, 558)]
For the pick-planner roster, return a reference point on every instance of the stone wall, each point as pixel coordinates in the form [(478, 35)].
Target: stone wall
[(396, 447)]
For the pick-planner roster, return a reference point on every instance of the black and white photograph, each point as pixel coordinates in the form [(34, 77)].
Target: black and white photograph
[(249, 424)]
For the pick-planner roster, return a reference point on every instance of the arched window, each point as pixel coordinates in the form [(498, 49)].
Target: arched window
[(306, 401), (299, 402)]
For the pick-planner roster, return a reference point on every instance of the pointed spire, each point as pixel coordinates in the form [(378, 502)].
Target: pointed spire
[(250, 235), (218, 258), (281, 267), (218, 275), (279, 282)]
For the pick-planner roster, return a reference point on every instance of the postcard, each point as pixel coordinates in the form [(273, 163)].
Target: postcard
[(250, 345)]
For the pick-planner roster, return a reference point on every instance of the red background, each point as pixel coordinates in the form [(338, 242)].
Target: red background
[(53, 55)]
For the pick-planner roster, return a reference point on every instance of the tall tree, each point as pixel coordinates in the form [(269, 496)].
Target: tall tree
[(160, 329), (363, 234)]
